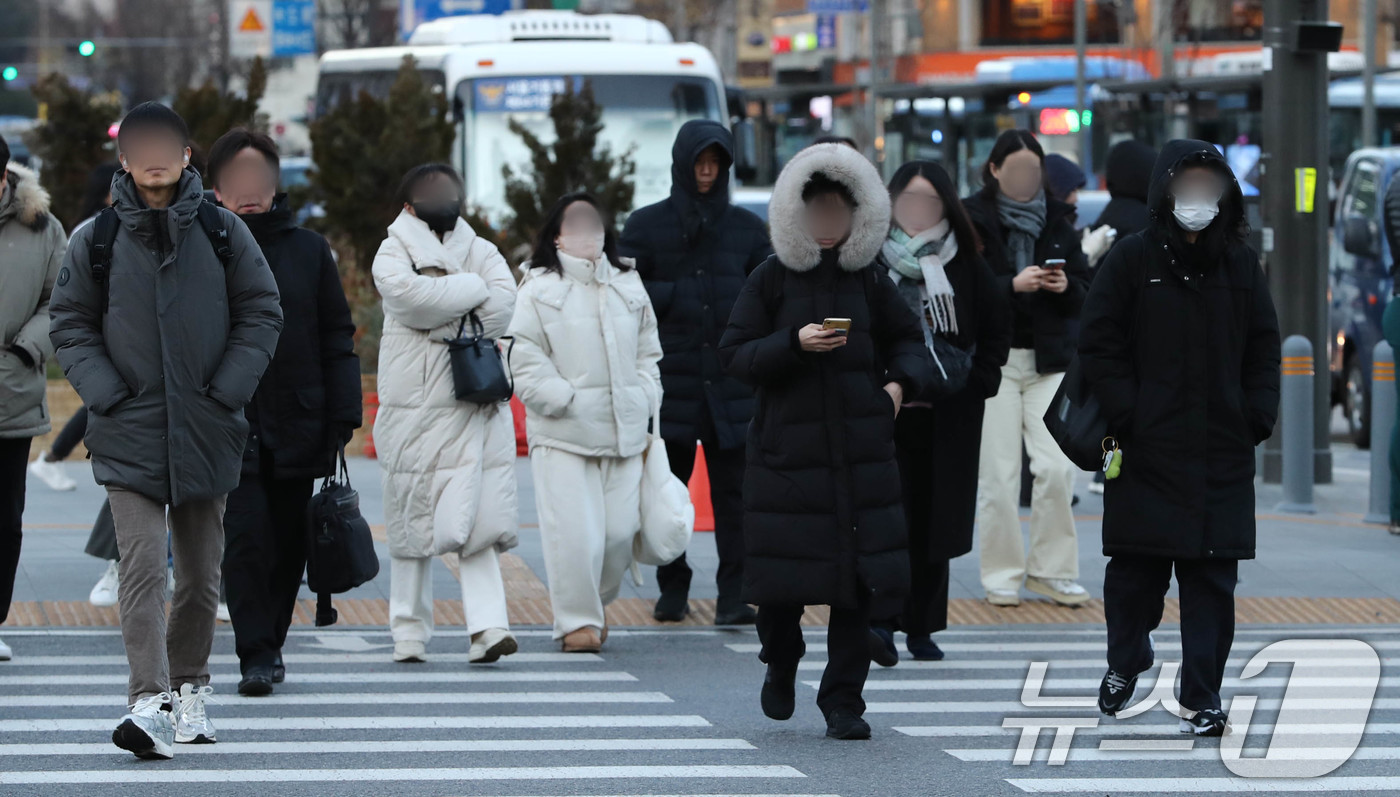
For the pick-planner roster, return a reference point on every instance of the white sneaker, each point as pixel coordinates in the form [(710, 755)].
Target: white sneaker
[(410, 651), (104, 592), (192, 725), (490, 645), (1063, 591), (1003, 597), (51, 473), (149, 730), (5, 652), (222, 614)]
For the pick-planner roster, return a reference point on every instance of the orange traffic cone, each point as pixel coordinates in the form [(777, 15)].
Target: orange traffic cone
[(371, 412), (517, 411), (700, 493)]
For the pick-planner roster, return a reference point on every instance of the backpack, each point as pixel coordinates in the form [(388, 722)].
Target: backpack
[(104, 236)]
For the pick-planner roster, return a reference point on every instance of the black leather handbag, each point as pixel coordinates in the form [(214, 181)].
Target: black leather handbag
[(339, 548), (479, 372), (1076, 422)]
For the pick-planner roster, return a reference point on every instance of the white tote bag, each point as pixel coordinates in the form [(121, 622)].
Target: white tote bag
[(668, 517)]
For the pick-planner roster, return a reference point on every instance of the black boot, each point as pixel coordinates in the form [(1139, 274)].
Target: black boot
[(257, 682), (923, 648), (674, 581), (882, 649), (844, 724), (741, 614), (779, 692), (279, 670)]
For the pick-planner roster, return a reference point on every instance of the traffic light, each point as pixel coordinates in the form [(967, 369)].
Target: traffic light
[(9, 73), (87, 48)]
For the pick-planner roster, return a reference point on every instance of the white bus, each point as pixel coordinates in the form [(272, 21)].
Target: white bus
[(498, 68)]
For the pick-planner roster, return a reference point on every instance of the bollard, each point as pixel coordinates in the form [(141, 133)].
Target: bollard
[(1296, 425), (1382, 422)]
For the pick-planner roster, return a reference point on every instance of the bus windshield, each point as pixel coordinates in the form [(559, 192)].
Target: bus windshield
[(640, 115)]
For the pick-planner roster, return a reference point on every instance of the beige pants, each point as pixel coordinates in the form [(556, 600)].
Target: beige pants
[(411, 595), (590, 508), (1014, 414)]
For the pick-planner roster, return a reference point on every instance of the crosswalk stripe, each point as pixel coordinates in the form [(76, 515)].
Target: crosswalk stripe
[(975, 707), (1047, 647), (1098, 664), (1083, 684), (1331, 783), (366, 699), (471, 676), (1112, 728), (1103, 755), (380, 723), (293, 659), (386, 746), (110, 776)]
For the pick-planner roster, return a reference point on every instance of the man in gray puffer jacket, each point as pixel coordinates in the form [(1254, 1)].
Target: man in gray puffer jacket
[(165, 355), (31, 249)]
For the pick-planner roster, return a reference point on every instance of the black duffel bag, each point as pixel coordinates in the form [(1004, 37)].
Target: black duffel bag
[(1076, 422), (479, 373), (339, 549)]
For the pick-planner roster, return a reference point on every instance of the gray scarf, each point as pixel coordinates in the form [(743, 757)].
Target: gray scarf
[(922, 260), (1024, 222)]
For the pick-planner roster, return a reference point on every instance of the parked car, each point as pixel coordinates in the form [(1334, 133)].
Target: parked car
[(1360, 282)]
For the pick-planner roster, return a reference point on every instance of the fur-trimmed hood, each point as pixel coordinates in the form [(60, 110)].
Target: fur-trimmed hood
[(871, 223), (30, 202)]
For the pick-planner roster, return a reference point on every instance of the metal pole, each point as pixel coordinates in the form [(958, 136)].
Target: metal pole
[(1382, 425), (1164, 12), (1295, 420), (1370, 22), (1081, 45), (874, 21)]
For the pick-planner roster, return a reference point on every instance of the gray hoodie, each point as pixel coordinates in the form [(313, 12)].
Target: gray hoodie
[(31, 250), (167, 370)]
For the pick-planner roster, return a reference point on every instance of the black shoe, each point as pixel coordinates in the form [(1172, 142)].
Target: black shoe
[(1116, 692), (672, 606), (882, 649), (844, 724), (1208, 722), (923, 648), (779, 692), (279, 670), (257, 682), (742, 614)]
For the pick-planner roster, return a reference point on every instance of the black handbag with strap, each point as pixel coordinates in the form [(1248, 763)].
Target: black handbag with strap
[(479, 372), (340, 552), (1076, 422)]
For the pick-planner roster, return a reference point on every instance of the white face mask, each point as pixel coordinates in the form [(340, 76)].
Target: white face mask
[(1195, 215), (588, 246)]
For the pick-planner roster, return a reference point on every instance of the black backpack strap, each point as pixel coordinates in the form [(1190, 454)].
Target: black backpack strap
[(104, 236), (213, 223)]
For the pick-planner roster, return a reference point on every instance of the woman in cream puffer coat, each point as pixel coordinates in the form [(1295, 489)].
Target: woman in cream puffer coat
[(449, 465), (586, 366)]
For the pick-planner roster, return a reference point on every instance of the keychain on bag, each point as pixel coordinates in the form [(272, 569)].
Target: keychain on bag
[(1112, 458)]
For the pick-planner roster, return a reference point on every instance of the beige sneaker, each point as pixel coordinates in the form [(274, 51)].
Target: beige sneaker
[(410, 652), (1063, 591), (490, 645), (1003, 597)]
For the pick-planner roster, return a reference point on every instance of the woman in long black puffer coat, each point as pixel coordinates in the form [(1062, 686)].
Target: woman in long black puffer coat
[(1180, 344), (823, 519)]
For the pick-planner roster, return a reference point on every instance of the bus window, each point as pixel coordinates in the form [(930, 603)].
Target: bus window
[(335, 88)]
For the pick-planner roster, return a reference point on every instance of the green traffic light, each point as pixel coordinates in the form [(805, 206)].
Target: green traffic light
[(87, 48), (9, 73)]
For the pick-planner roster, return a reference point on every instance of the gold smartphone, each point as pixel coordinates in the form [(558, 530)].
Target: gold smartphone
[(842, 325)]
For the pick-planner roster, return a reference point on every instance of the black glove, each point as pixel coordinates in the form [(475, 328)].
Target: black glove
[(338, 434), (23, 355)]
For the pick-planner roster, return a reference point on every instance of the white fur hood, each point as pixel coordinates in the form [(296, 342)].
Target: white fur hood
[(31, 201), (794, 246)]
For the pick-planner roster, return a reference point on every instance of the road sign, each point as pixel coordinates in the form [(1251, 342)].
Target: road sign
[(837, 6), (249, 28), (413, 13), (826, 32), (293, 27)]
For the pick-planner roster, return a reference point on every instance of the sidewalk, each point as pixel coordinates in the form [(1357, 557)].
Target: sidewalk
[(1325, 568)]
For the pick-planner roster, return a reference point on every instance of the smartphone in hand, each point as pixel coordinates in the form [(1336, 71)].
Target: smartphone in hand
[(1056, 264), (841, 325)]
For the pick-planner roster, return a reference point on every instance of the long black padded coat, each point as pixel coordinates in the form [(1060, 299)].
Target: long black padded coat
[(1181, 348), (693, 252), (823, 516)]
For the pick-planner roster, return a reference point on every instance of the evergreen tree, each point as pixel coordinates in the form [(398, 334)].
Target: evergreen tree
[(71, 142), (572, 162), (210, 112)]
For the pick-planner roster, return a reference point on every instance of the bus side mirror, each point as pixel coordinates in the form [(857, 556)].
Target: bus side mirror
[(745, 151), (1358, 237)]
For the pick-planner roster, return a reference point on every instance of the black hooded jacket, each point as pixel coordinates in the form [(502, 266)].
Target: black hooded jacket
[(1180, 343), (694, 252), (1128, 173), (311, 392)]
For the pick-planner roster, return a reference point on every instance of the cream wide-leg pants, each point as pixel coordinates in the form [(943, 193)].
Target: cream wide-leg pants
[(411, 595)]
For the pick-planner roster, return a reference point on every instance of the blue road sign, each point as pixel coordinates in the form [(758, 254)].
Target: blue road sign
[(293, 27), (837, 6), (416, 12), (826, 31)]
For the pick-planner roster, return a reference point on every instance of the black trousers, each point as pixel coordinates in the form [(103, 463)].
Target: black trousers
[(1134, 591), (71, 434), (925, 609), (726, 471), (847, 651), (264, 558), (14, 464)]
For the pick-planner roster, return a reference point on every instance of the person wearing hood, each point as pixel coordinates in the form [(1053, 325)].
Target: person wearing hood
[(449, 465), (586, 367), (165, 342), (693, 252), (833, 350), (1180, 346), (34, 245), (1127, 174), (303, 412), (1024, 233)]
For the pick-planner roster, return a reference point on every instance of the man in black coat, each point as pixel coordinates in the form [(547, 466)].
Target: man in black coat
[(304, 410), (693, 252), (1180, 344), (1127, 173)]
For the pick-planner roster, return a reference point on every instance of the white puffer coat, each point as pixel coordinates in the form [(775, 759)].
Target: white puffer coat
[(585, 360), (449, 465)]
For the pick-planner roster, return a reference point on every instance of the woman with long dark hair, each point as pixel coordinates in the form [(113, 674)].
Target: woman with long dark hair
[(586, 366), (1180, 345), (1035, 253), (932, 253)]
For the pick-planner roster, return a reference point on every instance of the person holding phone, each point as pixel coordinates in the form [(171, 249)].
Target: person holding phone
[(824, 522), (1035, 254)]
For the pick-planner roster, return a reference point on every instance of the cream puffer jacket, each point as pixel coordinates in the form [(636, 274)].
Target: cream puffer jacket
[(585, 360), (449, 465)]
